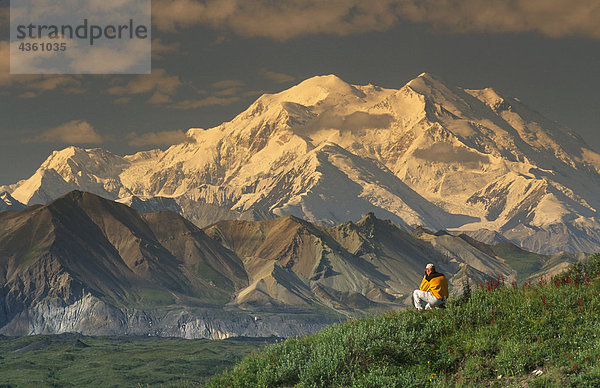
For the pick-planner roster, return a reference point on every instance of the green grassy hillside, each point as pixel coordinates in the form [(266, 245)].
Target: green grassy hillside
[(78, 361), (544, 334)]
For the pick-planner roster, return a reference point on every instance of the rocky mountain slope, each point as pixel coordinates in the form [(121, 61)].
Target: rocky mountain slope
[(83, 263), (86, 264), (428, 154), (7, 202)]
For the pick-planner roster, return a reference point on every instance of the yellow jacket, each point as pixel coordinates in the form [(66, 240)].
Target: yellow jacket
[(435, 283)]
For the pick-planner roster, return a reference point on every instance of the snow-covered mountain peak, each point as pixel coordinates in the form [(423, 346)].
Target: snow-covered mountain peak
[(489, 97), (425, 83), (445, 98), (442, 99), (328, 83), (74, 158), (98, 161), (429, 153), (7, 202), (5, 196), (151, 154), (319, 109), (429, 77), (320, 90), (95, 170)]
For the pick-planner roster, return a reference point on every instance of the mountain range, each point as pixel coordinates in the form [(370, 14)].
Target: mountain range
[(86, 264), (428, 154)]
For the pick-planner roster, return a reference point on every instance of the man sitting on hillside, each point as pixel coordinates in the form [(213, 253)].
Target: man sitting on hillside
[(433, 290)]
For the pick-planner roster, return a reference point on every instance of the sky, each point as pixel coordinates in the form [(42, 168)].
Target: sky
[(212, 58)]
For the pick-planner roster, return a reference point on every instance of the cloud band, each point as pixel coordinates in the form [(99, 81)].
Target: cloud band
[(283, 20)]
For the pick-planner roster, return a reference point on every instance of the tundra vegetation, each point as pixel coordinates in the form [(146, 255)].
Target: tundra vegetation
[(79, 361), (536, 334)]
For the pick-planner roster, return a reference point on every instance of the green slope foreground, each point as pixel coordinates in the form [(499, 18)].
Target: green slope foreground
[(72, 360), (545, 334)]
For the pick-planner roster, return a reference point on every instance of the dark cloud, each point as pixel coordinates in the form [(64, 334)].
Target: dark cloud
[(283, 20), (353, 122), (228, 83), (207, 101), (73, 132), (162, 86), (280, 78), (164, 138), (448, 153), (553, 18), (280, 20)]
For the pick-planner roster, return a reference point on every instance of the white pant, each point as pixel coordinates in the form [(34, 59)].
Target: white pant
[(424, 300)]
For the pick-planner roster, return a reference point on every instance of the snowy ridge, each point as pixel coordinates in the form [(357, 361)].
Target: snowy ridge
[(7, 202), (426, 154)]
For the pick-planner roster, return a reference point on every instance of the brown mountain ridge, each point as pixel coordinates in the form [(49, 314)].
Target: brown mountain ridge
[(87, 264)]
